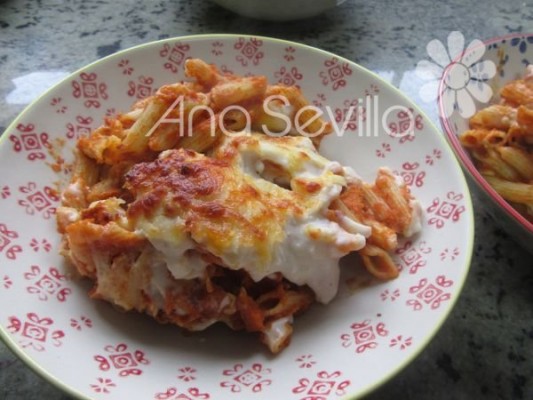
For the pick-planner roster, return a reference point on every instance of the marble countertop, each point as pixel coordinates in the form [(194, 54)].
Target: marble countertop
[(485, 348)]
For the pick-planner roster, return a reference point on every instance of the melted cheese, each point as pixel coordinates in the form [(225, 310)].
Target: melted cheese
[(169, 237), (245, 220)]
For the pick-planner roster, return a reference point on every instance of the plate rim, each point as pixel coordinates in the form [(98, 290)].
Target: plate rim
[(58, 383)]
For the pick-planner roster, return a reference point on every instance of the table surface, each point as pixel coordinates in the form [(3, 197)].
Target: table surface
[(485, 348)]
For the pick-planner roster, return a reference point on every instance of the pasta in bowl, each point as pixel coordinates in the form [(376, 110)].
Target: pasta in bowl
[(134, 198), (494, 140)]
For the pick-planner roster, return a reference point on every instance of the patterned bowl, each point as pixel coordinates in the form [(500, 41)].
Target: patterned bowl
[(470, 83), (342, 350)]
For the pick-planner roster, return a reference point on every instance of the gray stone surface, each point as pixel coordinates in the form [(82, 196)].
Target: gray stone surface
[(485, 348)]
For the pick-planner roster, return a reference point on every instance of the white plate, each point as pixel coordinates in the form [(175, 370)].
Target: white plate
[(341, 350)]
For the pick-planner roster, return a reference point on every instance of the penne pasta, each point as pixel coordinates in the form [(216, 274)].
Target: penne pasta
[(473, 138), (305, 116), (389, 190), (491, 159), (518, 159), (519, 92), (238, 91), (204, 74), (500, 140), (496, 116), (378, 262), (512, 191)]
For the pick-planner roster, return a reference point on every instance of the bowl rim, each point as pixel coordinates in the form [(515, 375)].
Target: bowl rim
[(37, 368), (458, 148)]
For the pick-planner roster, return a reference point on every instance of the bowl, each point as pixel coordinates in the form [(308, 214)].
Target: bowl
[(469, 84), (343, 350), (279, 10)]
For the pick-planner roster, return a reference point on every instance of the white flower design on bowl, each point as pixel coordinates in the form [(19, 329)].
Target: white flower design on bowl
[(465, 75)]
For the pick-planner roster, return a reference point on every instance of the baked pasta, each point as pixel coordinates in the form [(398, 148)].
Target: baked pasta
[(193, 226), (500, 140)]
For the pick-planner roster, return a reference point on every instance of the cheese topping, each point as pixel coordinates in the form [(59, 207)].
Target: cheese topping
[(231, 206)]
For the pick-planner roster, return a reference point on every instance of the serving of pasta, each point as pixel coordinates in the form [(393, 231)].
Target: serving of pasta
[(500, 140), (228, 214)]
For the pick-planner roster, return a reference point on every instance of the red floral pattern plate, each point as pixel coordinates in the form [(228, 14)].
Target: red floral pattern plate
[(341, 350)]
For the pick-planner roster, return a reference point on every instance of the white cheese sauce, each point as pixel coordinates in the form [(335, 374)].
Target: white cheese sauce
[(168, 236), (309, 250)]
